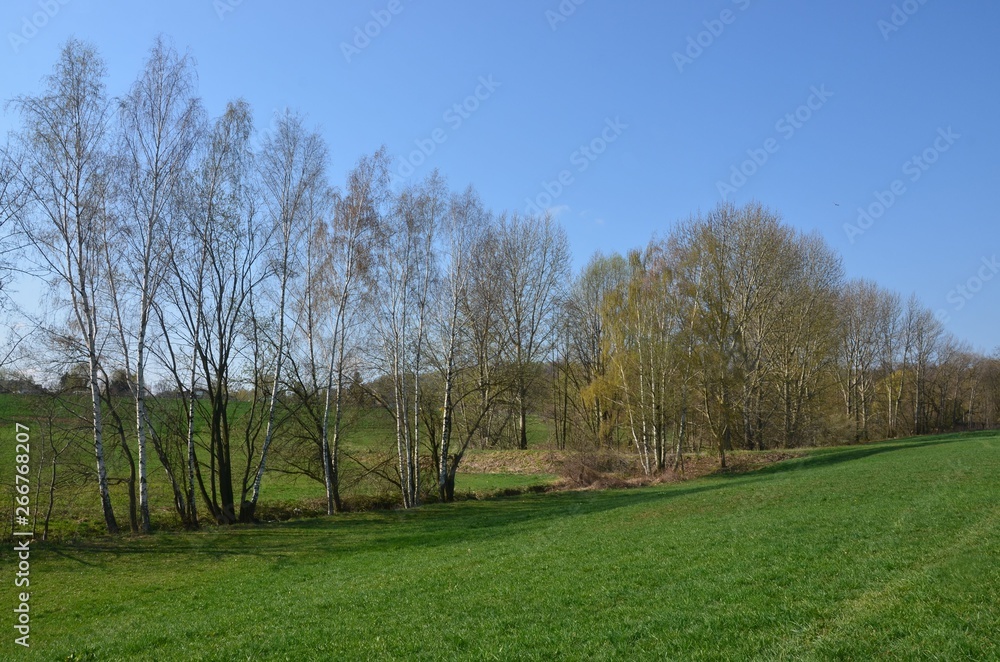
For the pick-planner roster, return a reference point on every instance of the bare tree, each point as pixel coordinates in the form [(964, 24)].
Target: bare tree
[(861, 325), (484, 319), (312, 307), (687, 291), (895, 350), (463, 225), (293, 167), (8, 188), (64, 172), (927, 334), (12, 246), (12, 201), (534, 268), (358, 217), (406, 271), (160, 121), (706, 247), (219, 259), (180, 320), (642, 324)]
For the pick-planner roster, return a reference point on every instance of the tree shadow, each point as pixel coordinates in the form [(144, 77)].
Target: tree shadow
[(834, 456), (438, 525)]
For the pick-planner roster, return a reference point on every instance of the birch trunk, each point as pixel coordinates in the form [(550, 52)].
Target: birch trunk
[(102, 469), (247, 510), (447, 412)]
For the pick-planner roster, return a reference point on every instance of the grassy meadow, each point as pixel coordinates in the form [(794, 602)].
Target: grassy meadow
[(881, 551), (368, 439)]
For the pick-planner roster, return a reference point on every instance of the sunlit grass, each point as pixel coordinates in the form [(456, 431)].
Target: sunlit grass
[(887, 550)]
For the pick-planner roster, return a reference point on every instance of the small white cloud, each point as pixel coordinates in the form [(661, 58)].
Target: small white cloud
[(558, 210), (588, 215)]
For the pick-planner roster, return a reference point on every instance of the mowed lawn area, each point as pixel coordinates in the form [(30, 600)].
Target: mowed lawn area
[(890, 550)]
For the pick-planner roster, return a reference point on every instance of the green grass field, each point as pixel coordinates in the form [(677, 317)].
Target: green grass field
[(881, 551), (368, 433)]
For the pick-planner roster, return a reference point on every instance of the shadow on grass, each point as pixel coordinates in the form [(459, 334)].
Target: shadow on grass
[(445, 524), (427, 527), (830, 457)]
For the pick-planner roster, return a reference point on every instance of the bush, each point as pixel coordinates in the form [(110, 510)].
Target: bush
[(597, 468)]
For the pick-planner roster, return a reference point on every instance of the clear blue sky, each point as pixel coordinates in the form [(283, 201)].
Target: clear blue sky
[(561, 83)]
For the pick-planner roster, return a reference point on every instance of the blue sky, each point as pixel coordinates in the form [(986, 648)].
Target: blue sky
[(660, 132)]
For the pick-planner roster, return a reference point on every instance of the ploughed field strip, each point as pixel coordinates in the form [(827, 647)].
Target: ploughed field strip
[(884, 550)]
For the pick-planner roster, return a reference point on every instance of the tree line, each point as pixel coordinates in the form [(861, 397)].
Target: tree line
[(265, 303), (745, 332)]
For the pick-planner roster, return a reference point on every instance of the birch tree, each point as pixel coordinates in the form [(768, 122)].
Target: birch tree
[(64, 172), (406, 271), (641, 324), (159, 123), (463, 225), (865, 314), (312, 304), (8, 187), (180, 319), (293, 168), (226, 251), (894, 358), (11, 202), (357, 220)]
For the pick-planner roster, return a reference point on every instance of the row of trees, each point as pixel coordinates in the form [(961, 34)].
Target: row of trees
[(189, 251), (745, 331), (269, 303)]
